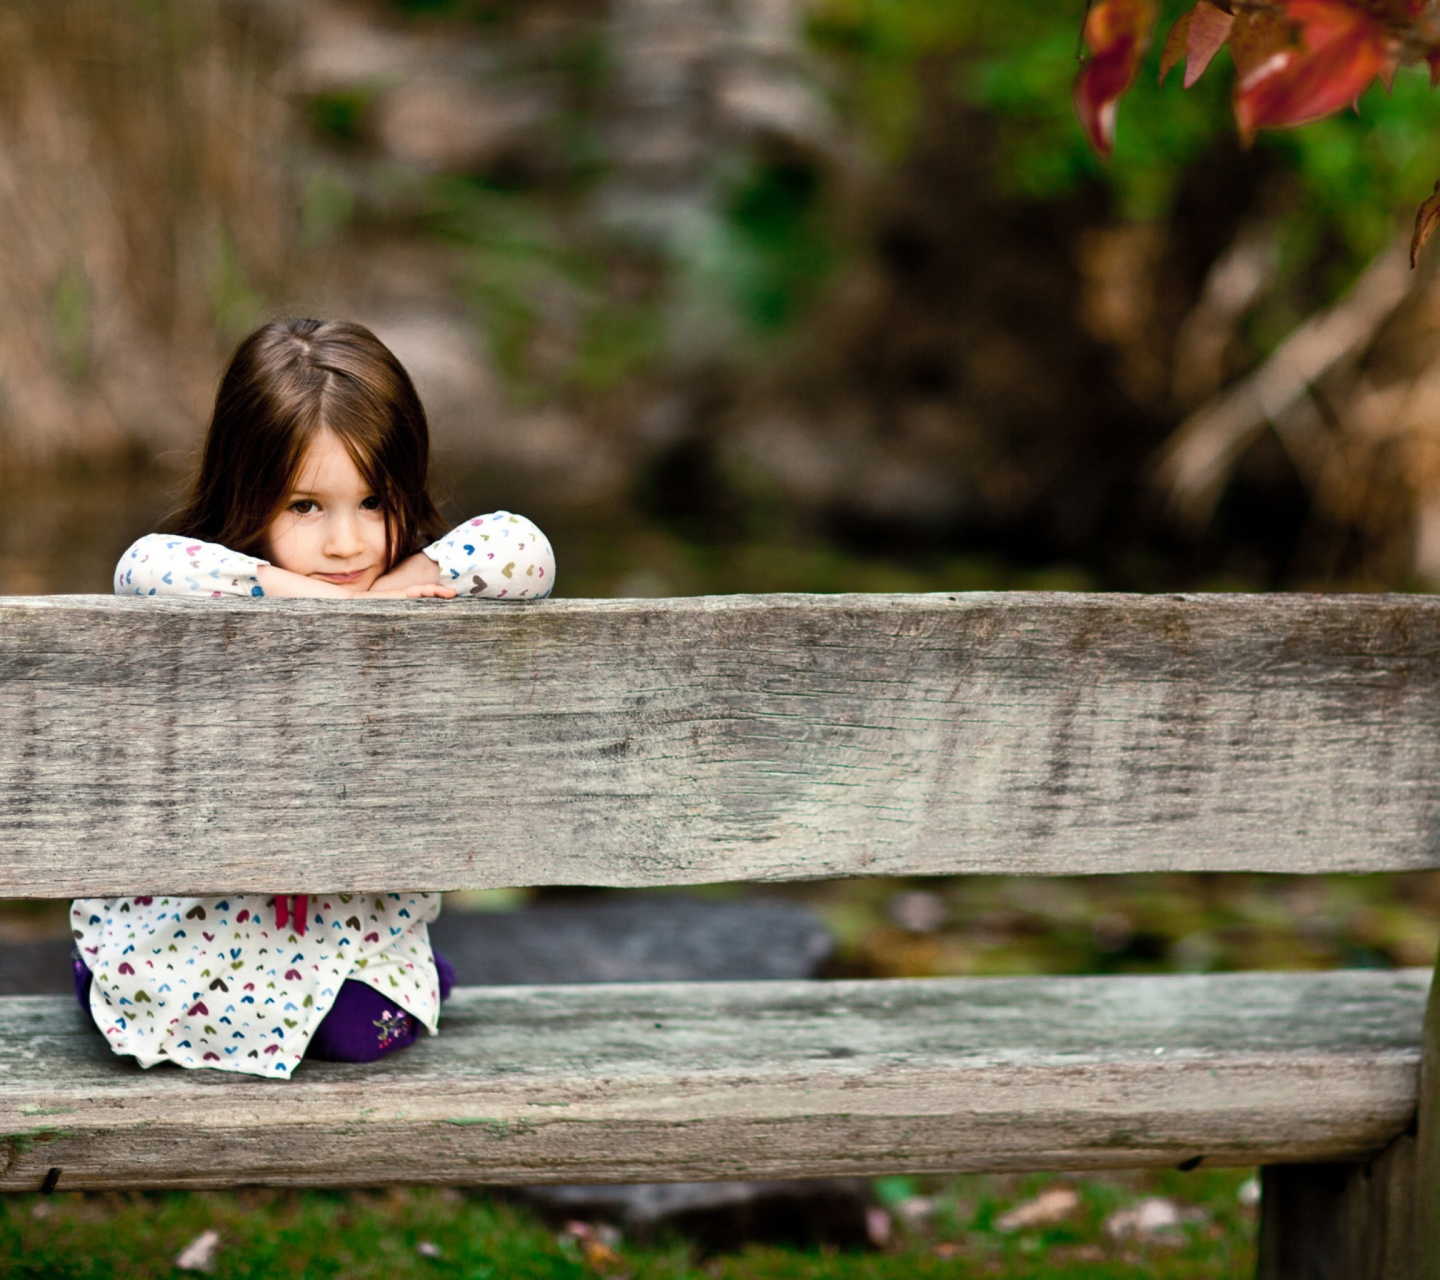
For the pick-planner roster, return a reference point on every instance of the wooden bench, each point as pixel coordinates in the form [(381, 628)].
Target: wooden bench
[(275, 746)]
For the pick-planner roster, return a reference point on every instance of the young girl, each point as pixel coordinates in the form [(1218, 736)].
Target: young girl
[(312, 483)]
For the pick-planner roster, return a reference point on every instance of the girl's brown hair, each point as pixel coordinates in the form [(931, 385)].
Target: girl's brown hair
[(286, 381)]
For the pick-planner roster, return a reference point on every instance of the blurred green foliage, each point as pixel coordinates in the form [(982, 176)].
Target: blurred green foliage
[(780, 246), (994, 925), (478, 11), (1345, 180), (528, 279), (340, 114), (776, 233)]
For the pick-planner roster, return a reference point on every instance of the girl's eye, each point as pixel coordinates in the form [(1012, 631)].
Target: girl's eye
[(304, 506), (372, 503)]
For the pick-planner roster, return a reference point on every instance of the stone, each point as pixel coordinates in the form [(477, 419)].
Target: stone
[(38, 968), (635, 938)]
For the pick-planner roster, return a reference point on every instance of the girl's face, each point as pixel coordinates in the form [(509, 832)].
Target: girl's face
[(331, 525)]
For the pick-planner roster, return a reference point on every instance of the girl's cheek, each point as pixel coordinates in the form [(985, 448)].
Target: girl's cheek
[(280, 541)]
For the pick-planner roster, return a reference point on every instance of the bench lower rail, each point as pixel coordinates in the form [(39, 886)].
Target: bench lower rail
[(696, 1081)]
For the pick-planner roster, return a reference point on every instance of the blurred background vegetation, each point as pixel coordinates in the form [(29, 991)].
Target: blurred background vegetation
[(752, 295), (731, 296)]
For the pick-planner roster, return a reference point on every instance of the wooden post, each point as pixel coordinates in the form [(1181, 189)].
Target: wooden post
[(1340, 1221), (1427, 1159), (1374, 1221)]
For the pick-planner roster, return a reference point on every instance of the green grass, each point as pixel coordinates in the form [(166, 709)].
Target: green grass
[(377, 1236)]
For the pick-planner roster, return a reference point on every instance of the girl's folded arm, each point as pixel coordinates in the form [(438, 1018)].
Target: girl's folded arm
[(164, 564), (499, 556)]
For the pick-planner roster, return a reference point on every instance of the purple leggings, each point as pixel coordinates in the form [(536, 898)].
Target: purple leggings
[(362, 1025)]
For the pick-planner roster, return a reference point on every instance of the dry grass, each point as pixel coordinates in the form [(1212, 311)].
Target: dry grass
[(143, 193)]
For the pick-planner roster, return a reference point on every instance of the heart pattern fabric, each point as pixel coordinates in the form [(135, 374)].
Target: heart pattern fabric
[(498, 556), (240, 994), (162, 565)]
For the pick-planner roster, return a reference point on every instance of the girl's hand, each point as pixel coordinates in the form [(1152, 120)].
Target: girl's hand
[(414, 571)]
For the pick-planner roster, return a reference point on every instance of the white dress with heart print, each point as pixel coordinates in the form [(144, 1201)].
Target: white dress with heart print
[(214, 982)]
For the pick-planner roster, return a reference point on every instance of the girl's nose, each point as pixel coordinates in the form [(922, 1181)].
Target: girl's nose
[(343, 539)]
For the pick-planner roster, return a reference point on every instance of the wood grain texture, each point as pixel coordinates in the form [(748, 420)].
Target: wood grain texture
[(286, 746), (647, 1083)]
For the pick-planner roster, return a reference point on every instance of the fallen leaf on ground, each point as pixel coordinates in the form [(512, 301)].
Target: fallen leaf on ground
[(1052, 1205), (199, 1254), (1152, 1219), (878, 1226), (914, 1211), (597, 1242)]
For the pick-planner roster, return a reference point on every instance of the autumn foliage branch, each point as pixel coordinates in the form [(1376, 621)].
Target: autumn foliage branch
[(1295, 60)]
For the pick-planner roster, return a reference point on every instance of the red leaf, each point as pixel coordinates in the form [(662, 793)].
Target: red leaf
[(1432, 60), (1209, 29), (1427, 218), (1175, 44), (1342, 50), (1388, 69), (1118, 33), (1257, 36)]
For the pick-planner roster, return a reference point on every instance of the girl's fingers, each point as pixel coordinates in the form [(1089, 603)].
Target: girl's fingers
[(429, 589)]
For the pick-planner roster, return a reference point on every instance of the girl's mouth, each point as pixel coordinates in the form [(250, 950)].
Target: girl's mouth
[(340, 579)]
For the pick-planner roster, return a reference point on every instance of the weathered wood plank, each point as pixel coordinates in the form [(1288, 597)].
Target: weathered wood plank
[(190, 747), (683, 1081)]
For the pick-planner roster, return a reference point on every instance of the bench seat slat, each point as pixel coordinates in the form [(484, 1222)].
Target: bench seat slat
[(194, 747), (658, 1082)]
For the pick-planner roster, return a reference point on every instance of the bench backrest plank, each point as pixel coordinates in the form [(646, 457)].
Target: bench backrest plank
[(191, 747)]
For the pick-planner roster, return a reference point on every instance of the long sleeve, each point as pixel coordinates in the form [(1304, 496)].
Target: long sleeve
[(499, 556), (162, 564)]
